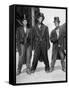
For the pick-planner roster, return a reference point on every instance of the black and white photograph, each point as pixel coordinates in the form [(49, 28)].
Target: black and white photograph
[(40, 44), (34, 44)]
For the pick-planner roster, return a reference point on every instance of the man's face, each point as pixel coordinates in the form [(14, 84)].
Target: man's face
[(56, 24), (40, 19), (24, 22)]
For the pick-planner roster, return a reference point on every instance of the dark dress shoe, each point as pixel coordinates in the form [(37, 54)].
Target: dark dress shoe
[(47, 69), (63, 69), (32, 70), (28, 71), (18, 72), (51, 69)]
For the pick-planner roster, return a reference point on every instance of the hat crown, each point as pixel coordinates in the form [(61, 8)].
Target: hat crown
[(56, 19), (41, 15)]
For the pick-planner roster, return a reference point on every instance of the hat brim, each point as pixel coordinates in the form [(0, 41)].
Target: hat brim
[(56, 21)]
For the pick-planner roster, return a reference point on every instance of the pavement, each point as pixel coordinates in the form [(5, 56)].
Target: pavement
[(40, 75)]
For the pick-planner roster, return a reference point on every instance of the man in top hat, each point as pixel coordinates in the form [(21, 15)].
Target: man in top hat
[(40, 38), (23, 40), (57, 38)]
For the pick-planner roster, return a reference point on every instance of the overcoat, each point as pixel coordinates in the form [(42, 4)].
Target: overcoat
[(24, 39), (63, 29), (58, 41), (40, 38)]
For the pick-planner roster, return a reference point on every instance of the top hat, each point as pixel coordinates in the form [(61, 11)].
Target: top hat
[(56, 19)]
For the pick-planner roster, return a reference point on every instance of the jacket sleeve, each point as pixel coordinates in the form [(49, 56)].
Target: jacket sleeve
[(33, 37), (17, 37), (29, 39), (53, 37), (47, 38), (63, 38)]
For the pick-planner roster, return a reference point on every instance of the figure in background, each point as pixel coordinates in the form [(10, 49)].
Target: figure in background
[(23, 41), (57, 38), (41, 44)]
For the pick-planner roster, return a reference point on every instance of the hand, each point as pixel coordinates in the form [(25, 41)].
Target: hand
[(65, 51), (58, 45), (16, 50)]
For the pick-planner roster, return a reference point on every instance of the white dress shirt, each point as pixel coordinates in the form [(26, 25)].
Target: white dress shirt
[(25, 29), (57, 31)]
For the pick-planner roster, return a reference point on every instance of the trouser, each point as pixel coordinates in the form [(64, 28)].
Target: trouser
[(59, 52), (25, 56), (37, 55)]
